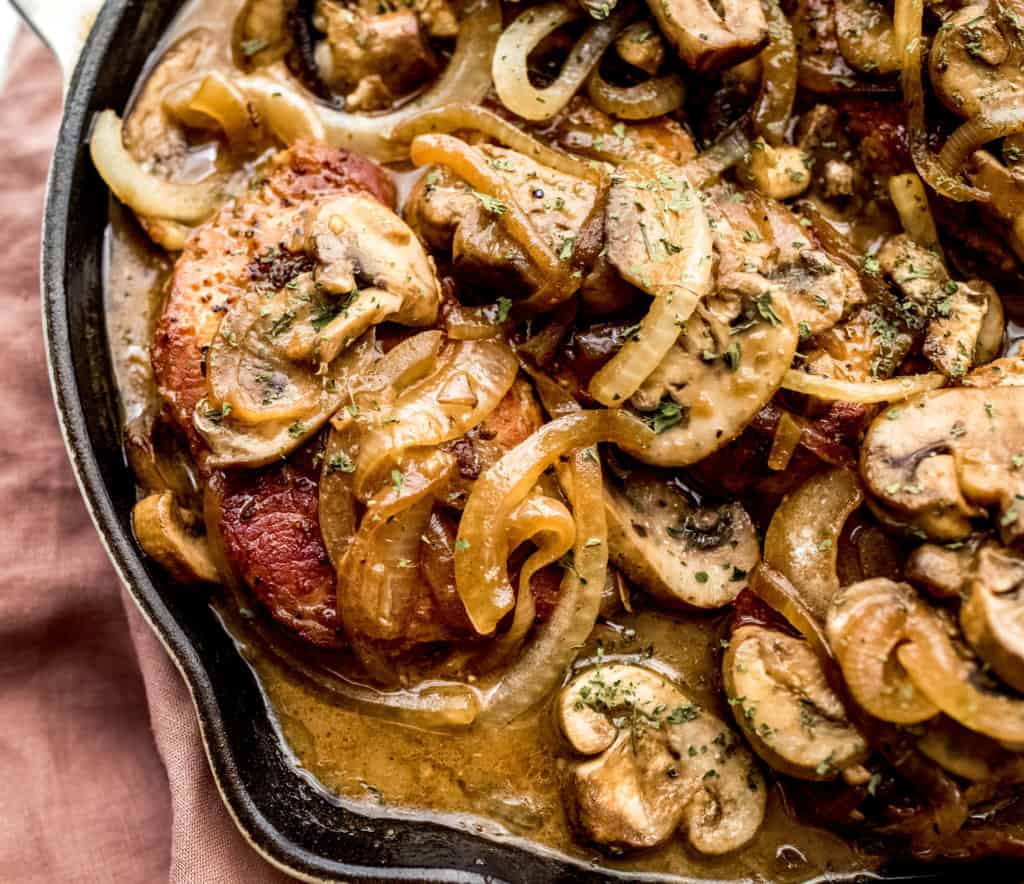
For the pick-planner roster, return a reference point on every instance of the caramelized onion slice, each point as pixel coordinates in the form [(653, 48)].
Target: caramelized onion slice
[(774, 105), (864, 392), (802, 541), (469, 379), (907, 18), (471, 117), (466, 80), (144, 193), (867, 625), (545, 521), (644, 101), (511, 71), (378, 576), (998, 122), (948, 681), (482, 547), (542, 665)]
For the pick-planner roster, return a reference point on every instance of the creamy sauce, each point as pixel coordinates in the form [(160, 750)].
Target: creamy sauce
[(506, 782)]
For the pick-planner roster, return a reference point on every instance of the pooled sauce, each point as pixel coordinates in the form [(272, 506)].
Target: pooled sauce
[(505, 782)]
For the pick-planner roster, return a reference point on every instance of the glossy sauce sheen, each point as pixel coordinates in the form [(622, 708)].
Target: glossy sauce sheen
[(505, 783)]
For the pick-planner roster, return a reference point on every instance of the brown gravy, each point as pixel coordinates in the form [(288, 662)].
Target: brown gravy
[(505, 783)]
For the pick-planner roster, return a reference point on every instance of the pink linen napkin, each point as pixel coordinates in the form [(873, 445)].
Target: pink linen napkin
[(102, 773)]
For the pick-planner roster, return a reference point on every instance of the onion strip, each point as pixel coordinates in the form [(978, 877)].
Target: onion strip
[(141, 191), (911, 202), (223, 102), (863, 392), (510, 66), (466, 79), (802, 540), (548, 523), (976, 133), (774, 105), (907, 16), (453, 117), (481, 578), (644, 101), (542, 665)]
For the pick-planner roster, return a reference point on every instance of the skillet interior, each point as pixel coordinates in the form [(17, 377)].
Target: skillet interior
[(289, 818)]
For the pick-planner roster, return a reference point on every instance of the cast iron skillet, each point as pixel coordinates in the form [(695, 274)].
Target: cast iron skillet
[(286, 816)]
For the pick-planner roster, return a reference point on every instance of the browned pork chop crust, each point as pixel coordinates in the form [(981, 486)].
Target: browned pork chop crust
[(245, 243)]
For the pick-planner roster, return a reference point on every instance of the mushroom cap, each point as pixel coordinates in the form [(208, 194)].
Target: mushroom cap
[(661, 763), (718, 396), (656, 232), (992, 617), (781, 699), (697, 556), (161, 530), (976, 60), (706, 40), (938, 461)]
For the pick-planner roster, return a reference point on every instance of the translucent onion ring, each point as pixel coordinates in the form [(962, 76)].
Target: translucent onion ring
[(466, 80), (421, 418), (907, 17), (942, 676), (510, 69), (551, 527), (978, 131), (141, 191), (283, 109), (378, 577), (651, 98), (454, 117), (863, 392), (779, 62), (542, 664), (481, 578), (220, 99)]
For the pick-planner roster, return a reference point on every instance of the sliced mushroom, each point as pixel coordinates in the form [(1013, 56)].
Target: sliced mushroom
[(662, 763), (954, 314), (782, 701), (992, 617), (651, 235), (697, 556), (171, 539), (977, 59), (715, 379), (709, 41), (938, 461), (763, 245), (366, 252), (940, 571)]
